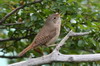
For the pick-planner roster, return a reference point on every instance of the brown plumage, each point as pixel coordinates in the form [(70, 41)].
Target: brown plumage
[(47, 35)]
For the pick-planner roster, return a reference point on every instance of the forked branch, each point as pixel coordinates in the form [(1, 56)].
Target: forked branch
[(57, 56)]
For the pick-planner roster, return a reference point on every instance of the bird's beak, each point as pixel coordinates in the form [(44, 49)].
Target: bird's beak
[(57, 14)]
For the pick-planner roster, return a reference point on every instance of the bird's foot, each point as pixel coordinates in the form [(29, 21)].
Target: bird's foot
[(31, 56)]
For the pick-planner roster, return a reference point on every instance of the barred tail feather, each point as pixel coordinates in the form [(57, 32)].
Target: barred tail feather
[(27, 49)]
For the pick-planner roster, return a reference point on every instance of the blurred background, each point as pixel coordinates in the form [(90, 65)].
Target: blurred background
[(19, 29)]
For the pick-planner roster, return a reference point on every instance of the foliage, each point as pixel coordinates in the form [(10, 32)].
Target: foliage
[(77, 15)]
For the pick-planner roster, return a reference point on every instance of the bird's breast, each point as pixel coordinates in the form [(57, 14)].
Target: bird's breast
[(55, 37)]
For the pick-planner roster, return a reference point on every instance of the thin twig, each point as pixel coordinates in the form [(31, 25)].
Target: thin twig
[(13, 24), (10, 57), (22, 6), (10, 39), (10, 24)]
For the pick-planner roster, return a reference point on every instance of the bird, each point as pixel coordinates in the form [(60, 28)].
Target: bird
[(47, 35)]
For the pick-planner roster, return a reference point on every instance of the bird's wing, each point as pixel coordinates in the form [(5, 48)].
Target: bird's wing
[(45, 35)]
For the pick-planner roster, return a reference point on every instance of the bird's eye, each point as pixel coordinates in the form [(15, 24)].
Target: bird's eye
[(54, 17)]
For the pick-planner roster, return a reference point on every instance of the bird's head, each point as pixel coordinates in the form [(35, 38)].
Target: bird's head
[(54, 18)]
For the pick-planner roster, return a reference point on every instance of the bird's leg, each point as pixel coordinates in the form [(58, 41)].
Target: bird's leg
[(38, 50), (51, 45)]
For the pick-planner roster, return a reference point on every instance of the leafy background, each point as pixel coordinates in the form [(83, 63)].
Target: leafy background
[(77, 15)]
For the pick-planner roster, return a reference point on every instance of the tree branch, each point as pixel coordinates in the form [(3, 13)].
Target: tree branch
[(22, 6), (57, 56)]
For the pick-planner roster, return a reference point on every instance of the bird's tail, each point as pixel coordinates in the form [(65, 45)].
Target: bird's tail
[(27, 49)]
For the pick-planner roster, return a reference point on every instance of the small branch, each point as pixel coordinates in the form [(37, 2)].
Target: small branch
[(13, 24), (10, 39), (71, 33), (10, 24), (78, 34), (22, 6), (10, 57)]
